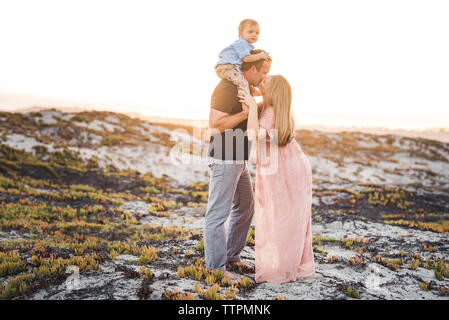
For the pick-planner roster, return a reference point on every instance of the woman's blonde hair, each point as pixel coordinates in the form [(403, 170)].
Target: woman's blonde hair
[(279, 95)]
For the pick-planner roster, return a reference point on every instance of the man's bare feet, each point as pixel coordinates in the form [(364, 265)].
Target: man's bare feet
[(240, 267), (230, 275)]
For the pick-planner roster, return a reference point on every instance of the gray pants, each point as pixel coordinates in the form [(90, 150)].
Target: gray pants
[(229, 182)]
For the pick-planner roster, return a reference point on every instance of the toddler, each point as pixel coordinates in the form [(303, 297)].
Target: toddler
[(232, 57)]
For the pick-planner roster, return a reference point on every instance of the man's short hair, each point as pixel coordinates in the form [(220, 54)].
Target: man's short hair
[(258, 63)]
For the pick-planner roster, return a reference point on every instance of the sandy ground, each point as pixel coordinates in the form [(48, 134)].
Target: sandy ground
[(427, 179)]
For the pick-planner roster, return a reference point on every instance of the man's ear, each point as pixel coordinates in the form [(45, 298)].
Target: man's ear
[(253, 68)]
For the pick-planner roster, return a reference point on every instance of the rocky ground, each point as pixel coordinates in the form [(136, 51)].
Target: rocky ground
[(98, 205)]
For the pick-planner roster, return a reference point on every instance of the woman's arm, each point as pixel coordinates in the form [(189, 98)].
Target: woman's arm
[(253, 120)]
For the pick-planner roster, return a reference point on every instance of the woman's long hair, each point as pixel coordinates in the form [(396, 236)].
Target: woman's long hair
[(279, 95)]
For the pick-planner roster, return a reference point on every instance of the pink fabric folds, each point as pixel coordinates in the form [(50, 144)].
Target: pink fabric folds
[(283, 205)]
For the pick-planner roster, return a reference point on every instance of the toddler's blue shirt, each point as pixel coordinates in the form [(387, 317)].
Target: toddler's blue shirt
[(235, 53)]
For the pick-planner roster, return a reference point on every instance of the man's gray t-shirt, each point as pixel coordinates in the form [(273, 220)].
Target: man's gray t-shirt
[(232, 144)]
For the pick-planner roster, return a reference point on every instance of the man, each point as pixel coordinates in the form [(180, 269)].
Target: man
[(230, 189)]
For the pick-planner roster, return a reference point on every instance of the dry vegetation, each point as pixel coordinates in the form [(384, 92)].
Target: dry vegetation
[(68, 211)]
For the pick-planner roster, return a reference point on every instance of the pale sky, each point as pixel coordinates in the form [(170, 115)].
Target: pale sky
[(382, 62)]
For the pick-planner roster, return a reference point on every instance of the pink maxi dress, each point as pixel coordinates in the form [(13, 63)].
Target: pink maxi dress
[(283, 207)]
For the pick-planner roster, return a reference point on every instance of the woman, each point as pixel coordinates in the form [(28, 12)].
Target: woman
[(283, 197)]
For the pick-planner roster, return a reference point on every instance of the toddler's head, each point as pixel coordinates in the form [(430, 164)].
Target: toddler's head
[(249, 30)]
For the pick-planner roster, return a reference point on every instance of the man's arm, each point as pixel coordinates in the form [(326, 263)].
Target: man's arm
[(221, 120)]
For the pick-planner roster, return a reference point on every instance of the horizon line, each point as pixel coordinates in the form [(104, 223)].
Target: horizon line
[(77, 109)]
